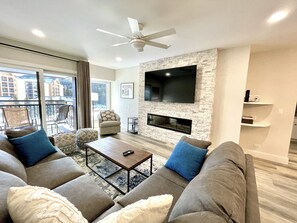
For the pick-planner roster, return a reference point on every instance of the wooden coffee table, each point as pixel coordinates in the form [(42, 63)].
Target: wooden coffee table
[(112, 149)]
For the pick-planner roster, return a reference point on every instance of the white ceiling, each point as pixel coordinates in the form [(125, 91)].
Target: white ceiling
[(70, 26)]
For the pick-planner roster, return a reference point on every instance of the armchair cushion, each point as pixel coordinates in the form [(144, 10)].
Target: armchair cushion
[(110, 124)]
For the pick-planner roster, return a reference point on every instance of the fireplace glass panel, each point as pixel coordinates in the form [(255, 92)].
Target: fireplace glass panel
[(171, 123)]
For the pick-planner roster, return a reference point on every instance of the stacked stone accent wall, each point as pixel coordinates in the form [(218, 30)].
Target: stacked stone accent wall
[(200, 112)]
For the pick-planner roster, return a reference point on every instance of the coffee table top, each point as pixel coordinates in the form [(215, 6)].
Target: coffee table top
[(113, 149)]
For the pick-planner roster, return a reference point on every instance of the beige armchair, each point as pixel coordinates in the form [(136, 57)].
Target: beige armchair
[(109, 122)]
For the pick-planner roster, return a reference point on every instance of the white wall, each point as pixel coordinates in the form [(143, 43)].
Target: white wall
[(231, 77), (273, 76), (102, 73), (125, 107)]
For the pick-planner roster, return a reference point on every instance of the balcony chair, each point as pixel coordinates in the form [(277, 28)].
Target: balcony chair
[(109, 122), (61, 118), (16, 118)]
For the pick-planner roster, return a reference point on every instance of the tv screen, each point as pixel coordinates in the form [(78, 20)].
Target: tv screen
[(171, 85)]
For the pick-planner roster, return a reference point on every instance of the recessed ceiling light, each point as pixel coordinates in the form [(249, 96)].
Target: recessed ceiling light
[(38, 33), (167, 74), (278, 16), (119, 59)]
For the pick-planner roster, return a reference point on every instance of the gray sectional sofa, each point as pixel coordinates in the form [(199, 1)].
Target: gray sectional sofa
[(57, 172), (224, 190)]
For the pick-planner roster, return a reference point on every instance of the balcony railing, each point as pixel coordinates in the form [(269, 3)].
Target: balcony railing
[(51, 106)]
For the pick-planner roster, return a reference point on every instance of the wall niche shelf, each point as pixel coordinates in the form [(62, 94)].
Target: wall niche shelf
[(257, 125), (257, 103), (250, 134)]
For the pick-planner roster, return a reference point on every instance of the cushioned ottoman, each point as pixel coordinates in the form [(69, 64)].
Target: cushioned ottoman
[(66, 142), (84, 136)]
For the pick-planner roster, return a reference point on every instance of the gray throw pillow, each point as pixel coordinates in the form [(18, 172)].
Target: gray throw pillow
[(11, 134), (196, 142)]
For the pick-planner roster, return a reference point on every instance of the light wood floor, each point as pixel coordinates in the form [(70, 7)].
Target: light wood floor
[(277, 189), (277, 183)]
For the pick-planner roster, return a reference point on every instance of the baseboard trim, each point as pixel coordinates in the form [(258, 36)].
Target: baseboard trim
[(267, 156)]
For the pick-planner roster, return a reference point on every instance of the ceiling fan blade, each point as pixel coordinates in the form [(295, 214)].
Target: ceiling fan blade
[(159, 34), (160, 45), (110, 33), (119, 44), (134, 26)]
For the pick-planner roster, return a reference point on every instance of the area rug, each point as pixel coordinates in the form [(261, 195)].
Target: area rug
[(106, 167)]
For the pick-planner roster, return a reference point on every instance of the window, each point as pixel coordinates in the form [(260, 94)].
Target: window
[(100, 97), (19, 96)]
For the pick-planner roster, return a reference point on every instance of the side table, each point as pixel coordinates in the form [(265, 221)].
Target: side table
[(132, 125)]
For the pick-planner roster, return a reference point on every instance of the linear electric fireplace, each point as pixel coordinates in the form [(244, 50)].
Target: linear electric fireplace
[(172, 123)]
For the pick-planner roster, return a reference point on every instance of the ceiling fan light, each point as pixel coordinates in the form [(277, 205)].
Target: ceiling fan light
[(138, 44)]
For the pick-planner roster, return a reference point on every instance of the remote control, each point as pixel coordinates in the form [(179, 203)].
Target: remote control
[(128, 152)]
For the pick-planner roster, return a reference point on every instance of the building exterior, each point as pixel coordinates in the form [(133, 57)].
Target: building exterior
[(7, 85)]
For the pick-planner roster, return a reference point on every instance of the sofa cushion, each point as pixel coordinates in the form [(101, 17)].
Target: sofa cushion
[(221, 190), (84, 193), (172, 176), (186, 160), (12, 165), (203, 217), (7, 180), (196, 142), (154, 209), (38, 204), (54, 156), (33, 147), (154, 185), (53, 173), (11, 133), (114, 208), (226, 152)]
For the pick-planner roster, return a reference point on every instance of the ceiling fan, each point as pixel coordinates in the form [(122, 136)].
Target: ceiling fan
[(138, 41)]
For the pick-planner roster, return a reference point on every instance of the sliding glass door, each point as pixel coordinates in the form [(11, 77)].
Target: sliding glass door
[(60, 101), (50, 104)]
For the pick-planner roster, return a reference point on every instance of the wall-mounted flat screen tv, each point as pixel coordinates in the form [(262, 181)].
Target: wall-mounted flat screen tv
[(175, 85)]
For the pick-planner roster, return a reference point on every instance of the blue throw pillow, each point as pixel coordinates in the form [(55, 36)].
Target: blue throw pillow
[(33, 147), (186, 160)]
